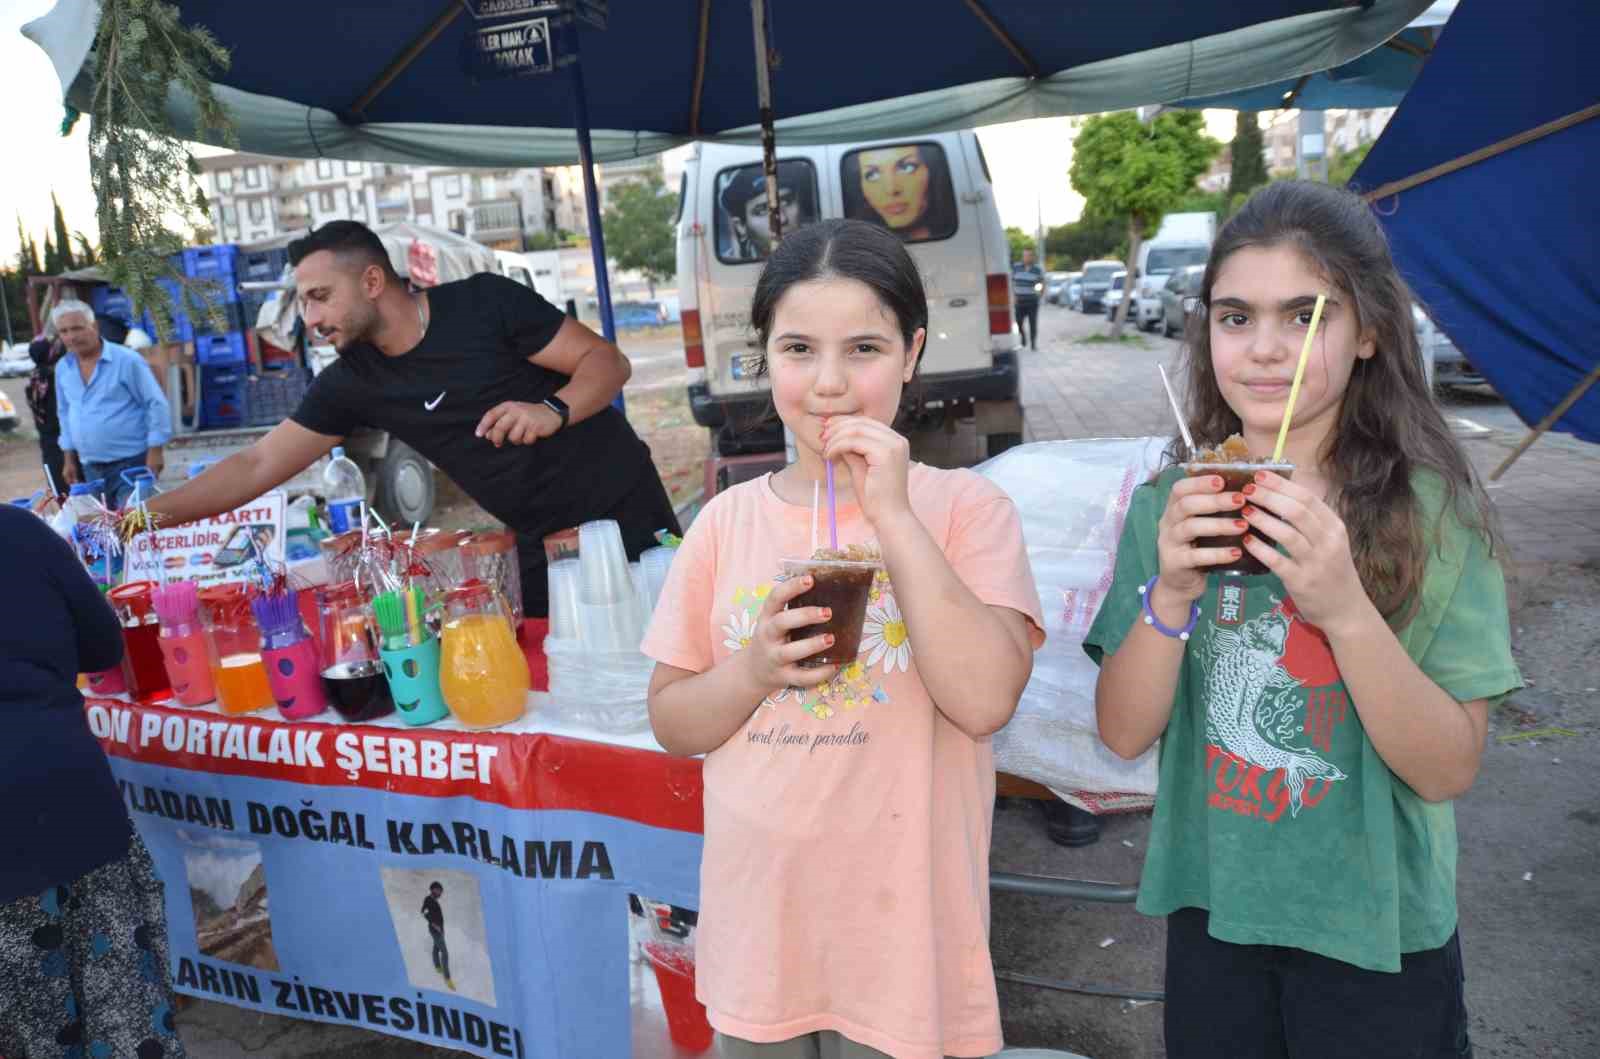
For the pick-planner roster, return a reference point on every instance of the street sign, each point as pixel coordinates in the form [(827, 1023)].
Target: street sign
[(508, 49), (489, 9)]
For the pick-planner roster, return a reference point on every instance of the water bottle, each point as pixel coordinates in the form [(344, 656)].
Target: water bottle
[(346, 490)]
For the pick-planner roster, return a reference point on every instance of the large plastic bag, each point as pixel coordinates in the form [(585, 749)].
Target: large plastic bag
[(607, 690), (1073, 497)]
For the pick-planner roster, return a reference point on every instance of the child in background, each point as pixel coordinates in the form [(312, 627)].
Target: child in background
[(845, 883), (1316, 721)]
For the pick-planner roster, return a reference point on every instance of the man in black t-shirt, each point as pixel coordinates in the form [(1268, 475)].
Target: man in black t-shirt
[(493, 384)]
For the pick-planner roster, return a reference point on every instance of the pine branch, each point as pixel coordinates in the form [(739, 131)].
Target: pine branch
[(144, 176)]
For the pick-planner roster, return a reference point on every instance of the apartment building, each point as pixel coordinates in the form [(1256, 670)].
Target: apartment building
[(255, 197)]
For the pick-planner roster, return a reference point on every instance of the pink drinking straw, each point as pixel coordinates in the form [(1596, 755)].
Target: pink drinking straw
[(833, 512)]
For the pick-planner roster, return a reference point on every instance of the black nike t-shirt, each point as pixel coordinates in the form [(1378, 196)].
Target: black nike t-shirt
[(481, 331)]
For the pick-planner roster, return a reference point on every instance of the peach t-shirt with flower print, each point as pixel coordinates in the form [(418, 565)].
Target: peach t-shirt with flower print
[(845, 880)]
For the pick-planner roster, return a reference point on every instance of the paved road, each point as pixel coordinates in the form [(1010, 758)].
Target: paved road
[(1532, 947)]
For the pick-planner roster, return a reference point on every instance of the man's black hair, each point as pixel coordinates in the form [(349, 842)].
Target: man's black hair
[(350, 240), (435, 886)]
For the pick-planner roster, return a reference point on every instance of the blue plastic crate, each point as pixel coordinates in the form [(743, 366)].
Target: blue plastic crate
[(112, 301), (221, 349), (273, 396), (210, 292), (223, 396), (212, 262), (262, 265)]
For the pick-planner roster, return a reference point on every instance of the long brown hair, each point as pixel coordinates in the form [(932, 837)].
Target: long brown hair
[(1388, 425)]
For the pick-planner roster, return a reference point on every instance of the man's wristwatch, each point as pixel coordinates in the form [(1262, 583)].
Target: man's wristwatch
[(559, 407)]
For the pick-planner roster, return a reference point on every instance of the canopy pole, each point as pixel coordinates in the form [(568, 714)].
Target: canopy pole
[(591, 203), (404, 59), (769, 136), (1548, 421), (700, 69)]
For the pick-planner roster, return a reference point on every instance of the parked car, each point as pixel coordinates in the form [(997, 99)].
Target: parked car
[(1075, 291), (1450, 366), (1096, 281), (1113, 295), (8, 414), (15, 362), (1055, 286), (1180, 295)]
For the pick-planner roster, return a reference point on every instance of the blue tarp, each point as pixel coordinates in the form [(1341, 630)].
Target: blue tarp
[(1503, 252)]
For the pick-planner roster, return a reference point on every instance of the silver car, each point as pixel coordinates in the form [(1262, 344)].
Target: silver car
[(1180, 296), (1450, 366)]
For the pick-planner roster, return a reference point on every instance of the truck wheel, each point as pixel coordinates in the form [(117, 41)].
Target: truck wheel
[(405, 484), (999, 443)]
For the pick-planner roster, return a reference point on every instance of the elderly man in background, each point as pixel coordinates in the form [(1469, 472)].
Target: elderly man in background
[(113, 414)]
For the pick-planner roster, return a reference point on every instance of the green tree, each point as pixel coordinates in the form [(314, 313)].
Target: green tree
[(145, 178), (52, 257), (1249, 168), (541, 241), (63, 240), (27, 251), (1343, 166), (1137, 172), (638, 227), (88, 254), (1017, 241), (1069, 245)]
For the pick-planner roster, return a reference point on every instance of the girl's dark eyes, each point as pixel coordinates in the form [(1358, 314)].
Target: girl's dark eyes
[(865, 348), (1233, 319), (796, 348)]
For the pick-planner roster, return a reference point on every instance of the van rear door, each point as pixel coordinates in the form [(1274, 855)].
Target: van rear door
[(922, 189)]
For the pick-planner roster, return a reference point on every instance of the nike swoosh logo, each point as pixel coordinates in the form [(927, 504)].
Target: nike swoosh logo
[(431, 405)]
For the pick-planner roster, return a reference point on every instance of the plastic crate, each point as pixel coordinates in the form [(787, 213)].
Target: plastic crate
[(262, 265), (273, 396), (209, 292), (112, 301), (212, 262), (220, 349), (223, 396)]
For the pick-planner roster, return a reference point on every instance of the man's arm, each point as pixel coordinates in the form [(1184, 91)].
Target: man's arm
[(69, 447), (157, 416), (289, 449), (596, 371)]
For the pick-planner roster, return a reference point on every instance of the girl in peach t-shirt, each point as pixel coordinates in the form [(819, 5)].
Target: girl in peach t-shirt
[(844, 902)]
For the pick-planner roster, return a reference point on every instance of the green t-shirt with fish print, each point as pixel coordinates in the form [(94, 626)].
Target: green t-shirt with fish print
[(1275, 812)]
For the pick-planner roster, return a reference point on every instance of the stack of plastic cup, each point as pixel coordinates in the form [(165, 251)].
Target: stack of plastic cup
[(655, 562), (563, 579), (609, 617)]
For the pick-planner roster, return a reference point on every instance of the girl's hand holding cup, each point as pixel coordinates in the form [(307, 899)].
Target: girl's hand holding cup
[(1197, 507), (1319, 570), (771, 661)]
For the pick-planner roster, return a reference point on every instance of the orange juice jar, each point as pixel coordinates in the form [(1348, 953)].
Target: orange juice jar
[(233, 643), (483, 673)]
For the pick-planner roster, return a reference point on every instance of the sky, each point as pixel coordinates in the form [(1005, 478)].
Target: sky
[(1027, 159)]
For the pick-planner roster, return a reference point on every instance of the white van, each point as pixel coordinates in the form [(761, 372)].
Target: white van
[(1183, 239), (949, 222), (539, 269)]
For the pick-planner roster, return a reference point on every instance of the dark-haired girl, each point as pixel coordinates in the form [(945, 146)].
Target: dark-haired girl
[(844, 884), (1315, 721)]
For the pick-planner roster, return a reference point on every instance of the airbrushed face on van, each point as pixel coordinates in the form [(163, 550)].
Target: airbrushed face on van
[(933, 191)]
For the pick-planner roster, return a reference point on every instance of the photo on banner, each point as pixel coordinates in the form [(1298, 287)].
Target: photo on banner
[(228, 891), (438, 923)]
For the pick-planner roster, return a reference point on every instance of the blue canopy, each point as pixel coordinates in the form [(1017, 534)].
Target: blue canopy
[(311, 80), (1500, 250)]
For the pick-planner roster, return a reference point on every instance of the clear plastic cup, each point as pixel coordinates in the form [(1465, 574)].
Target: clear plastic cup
[(563, 580), (603, 564), (656, 562), (1235, 476), (843, 586)]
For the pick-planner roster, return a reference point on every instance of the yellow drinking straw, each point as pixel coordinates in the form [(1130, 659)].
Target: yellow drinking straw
[(1299, 373)]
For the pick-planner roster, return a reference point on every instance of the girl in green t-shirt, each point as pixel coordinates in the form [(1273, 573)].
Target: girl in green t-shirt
[(1316, 720)]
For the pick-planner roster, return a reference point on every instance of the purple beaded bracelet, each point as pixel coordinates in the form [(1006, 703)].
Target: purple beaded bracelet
[(1154, 622)]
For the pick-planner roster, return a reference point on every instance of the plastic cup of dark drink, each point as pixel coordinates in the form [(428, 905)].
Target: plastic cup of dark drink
[(842, 586), (1235, 476)]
